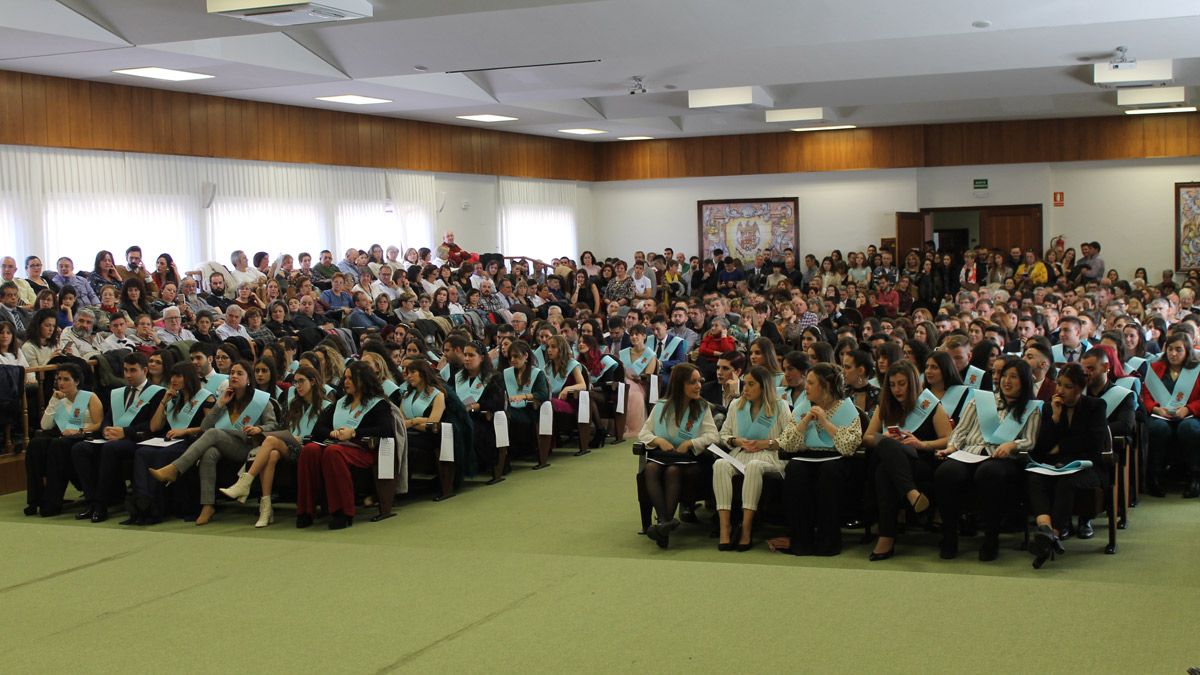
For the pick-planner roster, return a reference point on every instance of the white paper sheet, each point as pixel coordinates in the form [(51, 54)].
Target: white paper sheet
[(98, 441), (1160, 417), (737, 464), (386, 461), (447, 453), (500, 423), (546, 419), (585, 408), (653, 390), (967, 457), (620, 398), (161, 442), (813, 460), (1051, 472)]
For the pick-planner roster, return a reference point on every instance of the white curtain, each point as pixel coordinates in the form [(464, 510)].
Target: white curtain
[(538, 218), (56, 202)]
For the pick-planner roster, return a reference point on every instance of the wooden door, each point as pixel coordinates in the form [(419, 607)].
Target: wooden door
[(1003, 227), (910, 234)]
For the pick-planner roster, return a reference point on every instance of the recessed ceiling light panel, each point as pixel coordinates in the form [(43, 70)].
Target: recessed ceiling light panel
[(1160, 111), (828, 128), (796, 115), (582, 132), (635, 138), (486, 118), (353, 99), (164, 74)]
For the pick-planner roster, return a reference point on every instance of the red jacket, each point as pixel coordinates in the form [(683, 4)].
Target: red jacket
[(714, 347), (1159, 368)]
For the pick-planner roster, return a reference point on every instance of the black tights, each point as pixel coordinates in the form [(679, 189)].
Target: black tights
[(664, 486)]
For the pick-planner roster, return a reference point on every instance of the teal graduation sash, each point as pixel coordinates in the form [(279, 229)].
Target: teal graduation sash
[(801, 405), (293, 366), (1060, 354), (926, 404), (974, 377), (1113, 397), (778, 379), (956, 398), (70, 415), (636, 367), (670, 345), (996, 431), (445, 372), (1134, 363), (687, 429), (122, 416), (415, 403), (252, 413), (468, 389), (815, 437), (557, 382), (303, 427), (390, 388), (607, 363), (348, 417), (1135, 385), (512, 389), (182, 417), (539, 357), (214, 381), (757, 429), (1177, 397)]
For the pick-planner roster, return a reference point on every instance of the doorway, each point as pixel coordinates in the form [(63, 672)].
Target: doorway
[(959, 229)]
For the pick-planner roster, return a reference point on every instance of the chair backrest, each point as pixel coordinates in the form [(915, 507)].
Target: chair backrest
[(12, 385)]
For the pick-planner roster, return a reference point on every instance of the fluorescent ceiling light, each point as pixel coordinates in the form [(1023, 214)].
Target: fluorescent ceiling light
[(164, 74), (635, 138), (487, 118), (829, 128), (353, 99), (581, 132), (755, 97), (1156, 111), (1159, 96), (796, 115)]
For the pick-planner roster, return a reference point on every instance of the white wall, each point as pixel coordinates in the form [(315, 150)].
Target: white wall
[(475, 227), (837, 210), (949, 187)]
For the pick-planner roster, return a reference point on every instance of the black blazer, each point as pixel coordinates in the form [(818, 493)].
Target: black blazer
[(1082, 439)]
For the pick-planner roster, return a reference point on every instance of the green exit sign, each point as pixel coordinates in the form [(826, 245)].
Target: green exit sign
[(981, 183)]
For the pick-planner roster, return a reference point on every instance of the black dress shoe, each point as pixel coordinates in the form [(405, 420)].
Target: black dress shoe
[(31, 510), (1085, 530), (1066, 533), (100, 516), (340, 521), (990, 549), (875, 557), (304, 520), (727, 546), (1154, 489), (948, 548), (1193, 490), (86, 515), (688, 515), (131, 520)]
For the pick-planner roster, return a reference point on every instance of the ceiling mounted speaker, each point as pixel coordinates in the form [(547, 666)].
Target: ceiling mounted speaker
[(208, 192), (291, 13)]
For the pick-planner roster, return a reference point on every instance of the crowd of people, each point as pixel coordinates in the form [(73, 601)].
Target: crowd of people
[(941, 388)]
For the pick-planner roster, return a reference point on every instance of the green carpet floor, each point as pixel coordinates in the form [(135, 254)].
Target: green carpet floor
[(544, 573)]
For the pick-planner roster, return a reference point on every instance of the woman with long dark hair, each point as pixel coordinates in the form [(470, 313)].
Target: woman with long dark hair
[(482, 394), (678, 428), (996, 428), (526, 389), (1172, 397)]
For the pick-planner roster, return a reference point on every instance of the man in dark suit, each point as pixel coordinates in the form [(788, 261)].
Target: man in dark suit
[(1074, 430), (10, 309), (127, 418)]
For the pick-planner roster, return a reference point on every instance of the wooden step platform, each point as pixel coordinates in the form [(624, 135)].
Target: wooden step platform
[(12, 473)]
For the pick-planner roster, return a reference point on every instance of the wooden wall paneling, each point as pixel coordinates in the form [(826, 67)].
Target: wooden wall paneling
[(125, 111), (235, 132), (201, 135), (791, 152), (79, 122), (33, 110), (769, 152), (217, 128), (180, 142), (159, 120), (712, 156), (58, 112), (731, 154), (11, 124)]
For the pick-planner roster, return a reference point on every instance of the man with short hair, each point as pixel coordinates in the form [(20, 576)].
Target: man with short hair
[(135, 269), (215, 297), (1071, 346), (78, 340), (66, 276), (201, 355), (679, 328), (118, 335), (959, 350), (126, 422), (1027, 327), (349, 266), (1040, 363), (325, 270), (173, 330), (11, 311), (233, 325), (1091, 263)]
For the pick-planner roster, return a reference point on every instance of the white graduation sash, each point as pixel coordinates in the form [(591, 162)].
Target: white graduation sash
[(1177, 397), (996, 431), (926, 404), (815, 437), (122, 416)]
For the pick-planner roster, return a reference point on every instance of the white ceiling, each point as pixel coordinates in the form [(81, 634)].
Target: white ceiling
[(872, 62)]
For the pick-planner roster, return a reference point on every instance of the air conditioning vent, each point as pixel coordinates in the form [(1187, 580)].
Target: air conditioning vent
[(282, 13)]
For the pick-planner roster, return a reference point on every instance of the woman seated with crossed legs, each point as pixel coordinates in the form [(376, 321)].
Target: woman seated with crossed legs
[(755, 420), (906, 429), (678, 427), (304, 404)]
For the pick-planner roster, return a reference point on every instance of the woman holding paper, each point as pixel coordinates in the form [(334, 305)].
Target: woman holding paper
[(906, 430), (1068, 446), (1172, 395), (241, 414), (483, 396), (639, 363), (423, 406), (179, 417), (814, 479), (755, 421), (305, 403), (983, 453), (678, 427)]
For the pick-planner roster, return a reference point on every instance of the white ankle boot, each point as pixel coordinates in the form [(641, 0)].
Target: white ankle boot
[(241, 489), (266, 514)]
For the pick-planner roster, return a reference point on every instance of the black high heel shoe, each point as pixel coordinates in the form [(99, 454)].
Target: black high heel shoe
[(875, 557), (1045, 545)]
